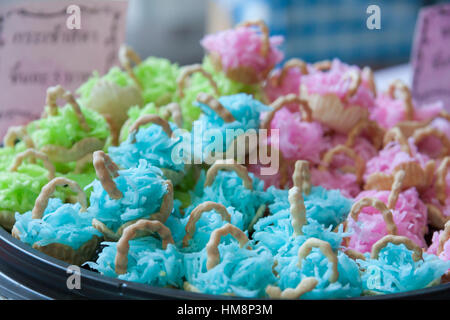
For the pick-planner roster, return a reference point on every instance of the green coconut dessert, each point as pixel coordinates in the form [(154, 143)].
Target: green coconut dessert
[(69, 133), (156, 77), (21, 183)]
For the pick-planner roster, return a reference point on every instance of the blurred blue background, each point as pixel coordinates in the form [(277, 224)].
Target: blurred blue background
[(322, 29)]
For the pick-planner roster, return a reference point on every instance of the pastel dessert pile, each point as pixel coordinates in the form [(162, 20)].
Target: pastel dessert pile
[(105, 181)]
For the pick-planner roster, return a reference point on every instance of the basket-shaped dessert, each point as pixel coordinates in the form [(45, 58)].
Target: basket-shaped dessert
[(339, 97), (229, 269), (230, 120), (121, 197), (242, 53), (63, 231), (21, 184), (155, 144), (69, 133), (230, 184), (397, 264), (150, 260)]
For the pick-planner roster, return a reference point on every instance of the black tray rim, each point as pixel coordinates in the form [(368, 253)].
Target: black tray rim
[(99, 287)]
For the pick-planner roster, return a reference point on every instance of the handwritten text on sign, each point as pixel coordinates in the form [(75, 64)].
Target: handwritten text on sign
[(47, 43), (431, 56)]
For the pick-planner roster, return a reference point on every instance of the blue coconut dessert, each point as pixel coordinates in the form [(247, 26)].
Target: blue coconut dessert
[(120, 197), (150, 260), (235, 268), (337, 275), (155, 144), (222, 122), (63, 231), (230, 184), (396, 264)]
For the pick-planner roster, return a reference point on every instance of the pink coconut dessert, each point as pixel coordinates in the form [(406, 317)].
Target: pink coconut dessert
[(399, 153), (396, 105), (437, 197), (442, 125), (299, 140), (286, 80), (339, 96), (280, 178), (409, 216), (331, 180), (337, 173), (244, 54), (362, 146), (440, 245)]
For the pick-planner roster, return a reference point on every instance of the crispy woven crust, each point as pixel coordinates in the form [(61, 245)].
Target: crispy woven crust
[(435, 216), (415, 176), (64, 252), (329, 110), (7, 219), (78, 150), (67, 254), (240, 74)]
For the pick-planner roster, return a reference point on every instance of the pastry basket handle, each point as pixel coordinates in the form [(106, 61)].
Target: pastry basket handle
[(106, 170), (399, 86), (229, 165), (150, 118), (31, 153), (48, 190), (197, 213), (284, 100), (297, 210), (129, 233), (292, 64), (14, 133), (359, 164), (327, 251), (383, 242), (214, 104), (212, 247), (265, 47), (127, 57), (58, 92), (426, 132), (380, 206), (173, 110), (189, 71)]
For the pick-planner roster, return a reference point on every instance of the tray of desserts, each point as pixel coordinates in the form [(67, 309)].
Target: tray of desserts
[(236, 177)]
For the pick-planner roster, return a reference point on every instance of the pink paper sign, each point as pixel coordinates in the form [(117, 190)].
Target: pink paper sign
[(431, 56), (42, 45)]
